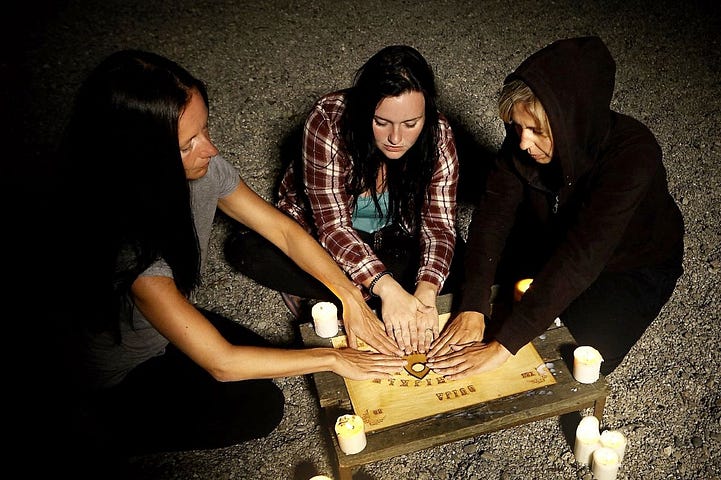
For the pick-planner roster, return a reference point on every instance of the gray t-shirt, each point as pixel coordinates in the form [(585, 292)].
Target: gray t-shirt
[(108, 362)]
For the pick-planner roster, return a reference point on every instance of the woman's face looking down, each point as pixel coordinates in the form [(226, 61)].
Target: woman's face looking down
[(196, 148), (397, 123), (532, 137)]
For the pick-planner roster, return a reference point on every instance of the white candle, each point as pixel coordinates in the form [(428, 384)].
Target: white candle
[(586, 364), (325, 319), (320, 477), (605, 464), (351, 433), (521, 287), (616, 441), (588, 439)]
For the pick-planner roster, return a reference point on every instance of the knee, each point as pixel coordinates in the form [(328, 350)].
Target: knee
[(610, 364)]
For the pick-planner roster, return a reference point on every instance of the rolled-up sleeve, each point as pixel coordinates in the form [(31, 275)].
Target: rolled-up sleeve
[(327, 168), (438, 226)]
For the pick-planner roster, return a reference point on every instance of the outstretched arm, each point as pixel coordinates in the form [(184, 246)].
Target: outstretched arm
[(182, 324), (247, 207)]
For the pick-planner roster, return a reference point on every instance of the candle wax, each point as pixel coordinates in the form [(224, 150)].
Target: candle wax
[(616, 441), (325, 319), (588, 439), (350, 431), (589, 426), (605, 464), (586, 364)]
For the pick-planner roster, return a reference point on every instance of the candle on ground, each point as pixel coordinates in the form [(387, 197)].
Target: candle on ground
[(521, 287), (616, 441), (605, 464), (586, 364), (351, 433), (325, 319), (588, 439)]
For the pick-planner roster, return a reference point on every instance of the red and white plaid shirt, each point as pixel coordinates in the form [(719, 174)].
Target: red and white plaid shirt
[(327, 168)]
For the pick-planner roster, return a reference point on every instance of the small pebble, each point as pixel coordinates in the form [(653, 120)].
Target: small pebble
[(489, 456), (470, 449)]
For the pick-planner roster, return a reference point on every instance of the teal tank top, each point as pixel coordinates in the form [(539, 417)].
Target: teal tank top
[(365, 216)]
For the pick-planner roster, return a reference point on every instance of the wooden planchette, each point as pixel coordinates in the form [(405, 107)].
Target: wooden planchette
[(416, 365)]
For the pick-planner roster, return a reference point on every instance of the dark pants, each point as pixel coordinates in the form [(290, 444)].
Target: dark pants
[(613, 313), (169, 403), (257, 258), (615, 310)]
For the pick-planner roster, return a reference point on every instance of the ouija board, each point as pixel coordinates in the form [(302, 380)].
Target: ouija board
[(386, 402)]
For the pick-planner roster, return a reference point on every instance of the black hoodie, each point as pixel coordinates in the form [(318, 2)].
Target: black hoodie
[(606, 208)]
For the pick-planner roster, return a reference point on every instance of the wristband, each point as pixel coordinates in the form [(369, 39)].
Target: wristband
[(375, 280)]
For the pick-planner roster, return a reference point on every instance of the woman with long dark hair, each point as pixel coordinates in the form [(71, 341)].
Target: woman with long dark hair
[(156, 372), (377, 186)]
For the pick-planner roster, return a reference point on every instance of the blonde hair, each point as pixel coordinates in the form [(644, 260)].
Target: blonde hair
[(516, 91)]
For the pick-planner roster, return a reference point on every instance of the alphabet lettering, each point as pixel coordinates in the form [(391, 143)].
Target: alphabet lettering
[(451, 394)]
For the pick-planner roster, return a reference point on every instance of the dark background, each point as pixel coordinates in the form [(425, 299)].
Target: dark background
[(265, 63)]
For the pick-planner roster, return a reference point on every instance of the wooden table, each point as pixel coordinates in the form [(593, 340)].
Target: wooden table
[(565, 396)]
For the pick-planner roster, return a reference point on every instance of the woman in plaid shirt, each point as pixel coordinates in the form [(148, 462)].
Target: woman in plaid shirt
[(376, 185)]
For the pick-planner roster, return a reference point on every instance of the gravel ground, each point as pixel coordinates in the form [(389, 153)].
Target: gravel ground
[(265, 63)]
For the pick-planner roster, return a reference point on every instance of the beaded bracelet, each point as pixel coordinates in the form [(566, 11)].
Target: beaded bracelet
[(375, 280)]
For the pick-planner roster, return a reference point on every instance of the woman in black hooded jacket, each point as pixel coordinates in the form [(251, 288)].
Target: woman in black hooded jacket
[(578, 201)]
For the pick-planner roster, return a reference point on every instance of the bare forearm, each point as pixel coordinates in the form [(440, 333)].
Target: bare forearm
[(309, 255), (246, 363), (426, 292), (257, 362)]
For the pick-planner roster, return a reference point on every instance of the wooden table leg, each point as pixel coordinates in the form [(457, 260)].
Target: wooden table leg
[(346, 473), (598, 406)]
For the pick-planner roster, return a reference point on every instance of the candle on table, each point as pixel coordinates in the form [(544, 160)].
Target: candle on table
[(325, 319), (586, 364), (588, 439), (351, 433), (521, 287), (616, 441), (605, 464)]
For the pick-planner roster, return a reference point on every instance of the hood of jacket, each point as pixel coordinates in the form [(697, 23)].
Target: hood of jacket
[(574, 81)]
